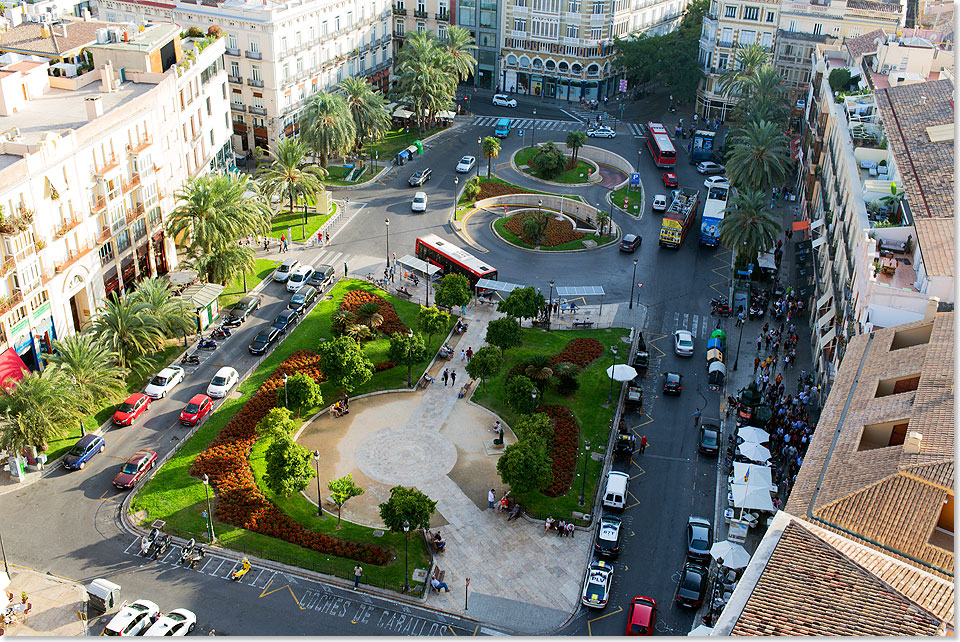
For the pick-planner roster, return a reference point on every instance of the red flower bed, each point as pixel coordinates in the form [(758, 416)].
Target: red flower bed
[(353, 299), (564, 449), (557, 232), (499, 189), (383, 365), (239, 501), (581, 352)]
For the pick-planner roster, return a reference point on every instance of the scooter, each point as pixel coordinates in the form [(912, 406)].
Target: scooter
[(192, 554), (161, 545), (221, 333), (187, 550), (206, 344), (238, 574), (191, 359), (722, 309), (147, 541)]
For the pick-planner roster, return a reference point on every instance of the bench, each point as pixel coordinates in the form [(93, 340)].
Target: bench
[(425, 381), (465, 389), (583, 324), (433, 546), (538, 324), (403, 293), (438, 574)]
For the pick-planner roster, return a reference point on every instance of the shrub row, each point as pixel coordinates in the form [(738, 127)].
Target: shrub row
[(564, 447), (558, 232), (581, 352)]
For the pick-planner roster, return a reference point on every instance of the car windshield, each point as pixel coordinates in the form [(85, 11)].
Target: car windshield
[(639, 629), (158, 381), (263, 337), (297, 278), (129, 468), (219, 381), (595, 588), (283, 268), (419, 199), (242, 305), (176, 617), (125, 407), (685, 343), (709, 438), (192, 408), (77, 449)]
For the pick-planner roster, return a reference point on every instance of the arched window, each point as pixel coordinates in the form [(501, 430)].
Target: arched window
[(563, 67), (524, 62), (593, 71), (576, 68), (511, 60), (551, 66), (537, 64)]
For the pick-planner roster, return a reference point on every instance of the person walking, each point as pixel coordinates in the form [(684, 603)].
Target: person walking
[(357, 573), (643, 444), (446, 375), (756, 364), (453, 378), (492, 498), (469, 354), (463, 354), (696, 417), (327, 236), (759, 343)]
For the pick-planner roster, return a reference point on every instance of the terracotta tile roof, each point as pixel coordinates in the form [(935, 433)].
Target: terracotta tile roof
[(867, 43), (937, 244), (26, 37), (808, 587), (870, 5)]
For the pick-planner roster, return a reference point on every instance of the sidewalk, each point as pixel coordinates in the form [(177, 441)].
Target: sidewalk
[(54, 605)]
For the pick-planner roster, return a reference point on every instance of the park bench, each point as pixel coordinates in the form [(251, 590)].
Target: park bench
[(403, 293), (433, 547), (438, 574), (425, 381), (583, 324)]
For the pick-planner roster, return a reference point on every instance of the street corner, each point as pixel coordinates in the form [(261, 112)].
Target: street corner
[(35, 603)]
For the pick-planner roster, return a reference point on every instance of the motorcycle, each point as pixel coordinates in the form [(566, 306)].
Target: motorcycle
[(232, 322), (238, 574), (191, 359), (722, 309), (206, 344), (161, 545), (192, 554), (221, 333), (147, 541), (187, 550)]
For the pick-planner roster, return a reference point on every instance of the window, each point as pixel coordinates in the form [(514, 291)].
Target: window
[(39, 300), (771, 17), (519, 24), (299, 66), (884, 434), (573, 31), (283, 45), (254, 44), (596, 33), (546, 6), (721, 62), (421, 27), (398, 28), (488, 19), (730, 11), (324, 29), (748, 37), (123, 241), (751, 13), (573, 6), (793, 25), (726, 37), (154, 217), (258, 100), (598, 7), (255, 73), (236, 97), (766, 39), (234, 68), (817, 28), (140, 227), (912, 337), (232, 41), (895, 386), (545, 28)]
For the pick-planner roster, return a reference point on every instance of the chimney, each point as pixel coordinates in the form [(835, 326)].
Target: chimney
[(94, 107), (911, 445), (106, 77)]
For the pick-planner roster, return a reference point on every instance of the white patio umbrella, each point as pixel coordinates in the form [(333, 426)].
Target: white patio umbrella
[(752, 434), (754, 452), (752, 497), (759, 475), (621, 372), (701, 631), (183, 277), (732, 554)]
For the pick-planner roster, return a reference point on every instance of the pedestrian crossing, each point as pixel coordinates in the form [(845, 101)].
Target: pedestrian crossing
[(528, 123), (637, 130), (699, 325)]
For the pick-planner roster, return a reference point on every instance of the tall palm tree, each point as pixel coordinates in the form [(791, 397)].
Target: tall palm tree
[(603, 218), (37, 410), (539, 370), (747, 61), (90, 367), (369, 109), (766, 97), (226, 263), (288, 173), (126, 327), (575, 140), (328, 126), (461, 47), (171, 312), (749, 226), (490, 148), (427, 75), (759, 157)]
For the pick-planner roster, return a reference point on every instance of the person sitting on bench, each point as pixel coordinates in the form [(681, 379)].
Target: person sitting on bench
[(515, 512), (437, 585), (403, 290), (438, 542), (504, 503)]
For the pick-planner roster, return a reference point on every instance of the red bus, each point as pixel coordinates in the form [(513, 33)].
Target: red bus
[(452, 259), (662, 151)]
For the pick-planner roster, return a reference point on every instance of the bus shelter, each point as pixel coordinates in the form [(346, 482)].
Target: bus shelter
[(416, 265), (486, 288), (570, 292)]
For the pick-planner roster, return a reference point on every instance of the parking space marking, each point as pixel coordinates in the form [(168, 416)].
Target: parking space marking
[(600, 617)]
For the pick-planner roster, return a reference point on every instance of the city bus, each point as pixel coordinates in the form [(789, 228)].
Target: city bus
[(713, 211), (452, 259), (662, 151)]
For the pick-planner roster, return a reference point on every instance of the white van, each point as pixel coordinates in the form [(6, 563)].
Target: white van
[(615, 494)]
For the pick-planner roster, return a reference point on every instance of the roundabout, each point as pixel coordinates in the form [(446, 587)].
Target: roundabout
[(549, 230)]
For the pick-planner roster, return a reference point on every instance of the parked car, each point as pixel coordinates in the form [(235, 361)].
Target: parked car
[(285, 269), (286, 320), (322, 276), (709, 441), (596, 585), (131, 408), (692, 584), (86, 448), (136, 468), (222, 382), (699, 538), (659, 203), (671, 383), (164, 381), (303, 298), (669, 179), (196, 409), (716, 181), (419, 177), (243, 309), (607, 543), (175, 623), (132, 619), (601, 132), (503, 100), (419, 203), (263, 340), (641, 616), (466, 164), (298, 278), (709, 167), (630, 242), (683, 343)]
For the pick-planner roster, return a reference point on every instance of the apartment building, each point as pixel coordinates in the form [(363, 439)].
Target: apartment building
[(89, 161), (278, 54), (879, 260), (419, 16), (482, 18)]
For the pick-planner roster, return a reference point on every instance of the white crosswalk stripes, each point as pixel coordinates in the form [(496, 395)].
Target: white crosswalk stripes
[(637, 130), (528, 123), (699, 325)]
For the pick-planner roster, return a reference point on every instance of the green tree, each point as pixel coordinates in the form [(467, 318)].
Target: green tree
[(461, 47), (408, 349), (472, 189), (749, 226), (504, 334), (368, 108), (369, 315), (525, 466), (90, 367), (126, 327), (575, 140), (37, 410), (359, 332), (539, 369), (839, 79), (288, 467), (453, 291), (484, 364), (171, 312), (521, 394), (548, 161), (759, 157), (767, 98), (490, 148), (603, 219), (341, 491), (327, 126), (288, 174), (341, 320), (278, 423), (535, 424), (426, 76), (407, 505), (300, 391), (431, 321), (344, 363), (522, 303), (747, 62), (566, 375), (223, 264)]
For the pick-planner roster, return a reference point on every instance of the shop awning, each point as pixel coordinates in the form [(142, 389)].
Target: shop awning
[(446, 115), (200, 295), (801, 225), (12, 368)]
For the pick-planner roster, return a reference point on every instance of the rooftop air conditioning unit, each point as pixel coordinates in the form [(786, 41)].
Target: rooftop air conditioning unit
[(116, 34), (103, 36), (884, 69)]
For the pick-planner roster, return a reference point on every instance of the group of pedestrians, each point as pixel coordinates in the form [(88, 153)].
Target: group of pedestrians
[(449, 374), (790, 428)]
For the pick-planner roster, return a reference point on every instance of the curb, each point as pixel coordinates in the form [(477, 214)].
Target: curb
[(595, 165), (643, 203), (554, 252)]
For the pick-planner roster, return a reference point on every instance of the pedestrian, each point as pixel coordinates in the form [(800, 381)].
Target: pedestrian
[(492, 499), (392, 279), (740, 317), (453, 377), (556, 308), (561, 528), (327, 236), (756, 363), (759, 343), (463, 354), (446, 375), (696, 417), (357, 572), (212, 632), (643, 444), (469, 354), (320, 238)]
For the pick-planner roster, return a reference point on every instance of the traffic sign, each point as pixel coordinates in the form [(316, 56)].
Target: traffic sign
[(634, 179), (623, 84)]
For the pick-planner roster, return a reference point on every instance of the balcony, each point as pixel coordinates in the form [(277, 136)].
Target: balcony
[(236, 107), (420, 13), (236, 80), (134, 213), (232, 51), (253, 82), (139, 146), (134, 182), (443, 16), (109, 164), (73, 256), (104, 236), (99, 203), (253, 55), (8, 303), (67, 225), (8, 264), (260, 111), (399, 10)]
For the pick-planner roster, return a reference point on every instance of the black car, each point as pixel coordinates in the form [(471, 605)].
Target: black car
[(286, 320), (263, 340), (692, 584), (303, 298), (607, 543), (321, 277), (243, 309), (630, 242), (709, 442), (671, 383), (625, 445), (420, 177), (699, 538)]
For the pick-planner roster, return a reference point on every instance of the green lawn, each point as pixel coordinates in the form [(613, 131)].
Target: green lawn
[(587, 405), (500, 225), (635, 195), (578, 174), (465, 204), (395, 140), (177, 498), (234, 291), (285, 220), (338, 172)]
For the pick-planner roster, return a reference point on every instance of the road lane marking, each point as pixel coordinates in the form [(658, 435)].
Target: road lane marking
[(600, 617)]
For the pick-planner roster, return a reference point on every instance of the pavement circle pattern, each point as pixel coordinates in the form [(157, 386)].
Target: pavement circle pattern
[(405, 456)]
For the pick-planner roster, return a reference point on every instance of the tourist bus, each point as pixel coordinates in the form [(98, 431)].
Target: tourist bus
[(453, 260), (714, 209), (662, 151)]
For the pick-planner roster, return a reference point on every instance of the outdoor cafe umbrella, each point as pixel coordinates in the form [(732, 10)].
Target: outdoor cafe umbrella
[(732, 554), (621, 372), (754, 452), (701, 631), (752, 497), (183, 277), (744, 473), (752, 434)]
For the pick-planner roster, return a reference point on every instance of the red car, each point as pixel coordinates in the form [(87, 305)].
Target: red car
[(134, 406), (135, 468), (198, 408), (641, 616), (669, 179)]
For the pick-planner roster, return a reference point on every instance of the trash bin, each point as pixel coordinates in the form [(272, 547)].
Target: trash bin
[(419, 144), (102, 595)]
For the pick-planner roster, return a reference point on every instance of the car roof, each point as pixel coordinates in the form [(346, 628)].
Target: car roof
[(304, 291), (700, 521), (672, 375), (684, 333), (140, 454), (224, 371), (642, 609), (199, 398), (629, 237), (420, 195), (266, 332), (290, 262), (169, 371), (250, 298), (304, 268), (86, 440), (134, 397), (286, 313), (663, 196)]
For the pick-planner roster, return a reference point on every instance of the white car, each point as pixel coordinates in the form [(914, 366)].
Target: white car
[(503, 100), (601, 132), (285, 269), (222, 382), (132, 619), (164, 381), (659, 203), (716, 181), (596, 585), (683, 343), (177, 622), (299, 277), (419, 203), (466, 164)]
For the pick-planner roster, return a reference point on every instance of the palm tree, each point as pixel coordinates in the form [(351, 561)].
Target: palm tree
[(461, 47), (603, 218), (370, 116), (341, 320), (749, 226), (427, 75), (37, 410), (328, 126), (745, 63), (539, 370), (227, 263), (171, 312), (766, 97), (126, 327), (90, 367), (490, 148), (369, 315), (575, 140), (759, 157), (358, 332), (287, 174)]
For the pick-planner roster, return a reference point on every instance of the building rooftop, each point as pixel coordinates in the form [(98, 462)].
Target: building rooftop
[(862, 45), (150, 38), (871, 5), (64, 38)]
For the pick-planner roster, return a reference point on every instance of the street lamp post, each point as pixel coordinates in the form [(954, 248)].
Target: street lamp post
[(550, 306), (479, 155), (386, 223), (583, 480), (206, 491), (539, 219), (286, 399), (316, 459), (406, 567), (610, 395), (639, 156), (6, 568), (739, 339), (633, 282), (456, 187), (409, 350), (534, 127)]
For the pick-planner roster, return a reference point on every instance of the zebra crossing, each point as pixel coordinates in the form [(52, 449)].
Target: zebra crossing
[(637, 130), (527, 123), (699, 325)]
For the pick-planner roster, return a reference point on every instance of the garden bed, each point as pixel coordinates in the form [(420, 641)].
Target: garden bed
[(579, 173), (559, 235), (635, 196)]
